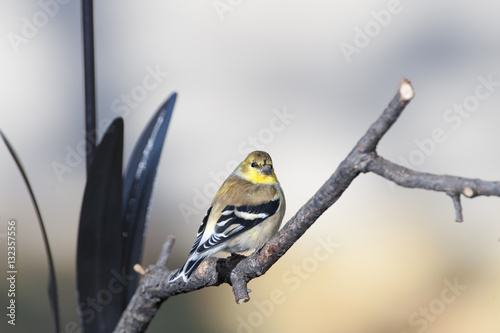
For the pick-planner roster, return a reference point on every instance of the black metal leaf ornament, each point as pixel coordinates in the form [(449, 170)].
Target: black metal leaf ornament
[(113, 221), (52, 289), (100, 236), (138, 181)]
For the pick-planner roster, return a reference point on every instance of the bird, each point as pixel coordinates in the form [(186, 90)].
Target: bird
[(245, 213)]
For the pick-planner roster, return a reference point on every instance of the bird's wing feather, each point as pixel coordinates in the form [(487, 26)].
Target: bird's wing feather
[(235, 220), (201, 230)]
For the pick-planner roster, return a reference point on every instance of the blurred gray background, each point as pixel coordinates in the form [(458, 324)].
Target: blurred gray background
[(302, 80)]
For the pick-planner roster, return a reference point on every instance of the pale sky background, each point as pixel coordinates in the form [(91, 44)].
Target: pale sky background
[(235, 72)]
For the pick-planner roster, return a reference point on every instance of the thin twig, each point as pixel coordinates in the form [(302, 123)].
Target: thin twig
[(442, 183), (165, 251), (458, 207)]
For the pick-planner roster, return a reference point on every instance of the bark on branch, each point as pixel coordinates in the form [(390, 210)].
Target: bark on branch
[(238, 270)]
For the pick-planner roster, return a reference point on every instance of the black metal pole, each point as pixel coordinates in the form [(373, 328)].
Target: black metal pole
[(88, 57)]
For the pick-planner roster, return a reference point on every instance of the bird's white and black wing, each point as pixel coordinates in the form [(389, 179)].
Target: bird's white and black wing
[(201, 230), (235, 220), (194, 260)]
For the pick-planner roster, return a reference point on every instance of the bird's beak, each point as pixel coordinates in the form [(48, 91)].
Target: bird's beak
[(266, 169)]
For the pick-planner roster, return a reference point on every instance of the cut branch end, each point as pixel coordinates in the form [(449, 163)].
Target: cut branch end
[(468, 192), (242, 300), (139, 269), (240, 289), (406, 90)]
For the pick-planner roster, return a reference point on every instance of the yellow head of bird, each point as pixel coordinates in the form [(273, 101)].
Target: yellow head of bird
[(258, 168)]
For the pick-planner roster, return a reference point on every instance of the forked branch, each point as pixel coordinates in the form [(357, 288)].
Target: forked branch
[(238, 270)]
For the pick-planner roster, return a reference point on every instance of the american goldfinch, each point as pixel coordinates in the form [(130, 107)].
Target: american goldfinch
[(245, 213)]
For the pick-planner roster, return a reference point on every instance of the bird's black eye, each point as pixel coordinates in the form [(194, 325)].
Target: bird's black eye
[(253, 165)]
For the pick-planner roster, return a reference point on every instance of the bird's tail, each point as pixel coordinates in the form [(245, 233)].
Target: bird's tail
[(187, 269)]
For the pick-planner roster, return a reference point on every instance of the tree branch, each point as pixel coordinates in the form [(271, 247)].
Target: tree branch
[(450, 185), (458, 207), (238, 270)]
